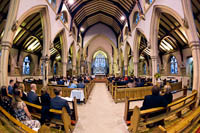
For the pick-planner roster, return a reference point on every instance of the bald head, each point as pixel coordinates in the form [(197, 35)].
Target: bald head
[(33, 87)]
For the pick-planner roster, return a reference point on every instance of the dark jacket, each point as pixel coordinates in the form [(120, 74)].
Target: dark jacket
[(168, 97), (33, 98), (80, 85), (46, 103), (58, 103), (152, 101)]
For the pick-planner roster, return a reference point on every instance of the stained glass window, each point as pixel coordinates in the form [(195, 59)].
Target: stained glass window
[(54, 68), (150, 1), (173, 65), (145, 68), (26, 65), (137, 18), (42, 68), (158, 69), (100, 64)]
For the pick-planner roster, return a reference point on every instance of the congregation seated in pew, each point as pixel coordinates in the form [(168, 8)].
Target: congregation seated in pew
[(24, 94), (72, 84), (32, 96), (58, 103), (5, 100), (21, 111), (156, 100), (10, 87), (46, 105)]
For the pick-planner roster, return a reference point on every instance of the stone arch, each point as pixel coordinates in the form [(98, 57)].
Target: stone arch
[(45, 22), (154, 27), (109, 58), (99, 35)]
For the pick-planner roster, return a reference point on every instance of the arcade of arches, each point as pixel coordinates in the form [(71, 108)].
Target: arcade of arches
[(139, 39)]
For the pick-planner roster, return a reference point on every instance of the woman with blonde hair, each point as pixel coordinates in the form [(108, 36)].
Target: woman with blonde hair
[(24, 94), (21, 111), (168, 95)]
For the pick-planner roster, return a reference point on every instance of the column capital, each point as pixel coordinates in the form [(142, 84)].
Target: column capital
[(154, 57), (64, 62), (6, 44), (45, 58), (194, 44)]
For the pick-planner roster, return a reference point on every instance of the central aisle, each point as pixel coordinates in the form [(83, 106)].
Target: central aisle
[(101, 114)]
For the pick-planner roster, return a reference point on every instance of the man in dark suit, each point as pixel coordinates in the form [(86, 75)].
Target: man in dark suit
[(32, 97), (153, 101), (58, 103)]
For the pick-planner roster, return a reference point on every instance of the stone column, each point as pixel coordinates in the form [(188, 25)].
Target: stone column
[(194, 43), (45, 61), (89, 68), (135, 68), (195, 48), (126, 69), (5, 48), (64, 69), (154, 68), (6, 42)]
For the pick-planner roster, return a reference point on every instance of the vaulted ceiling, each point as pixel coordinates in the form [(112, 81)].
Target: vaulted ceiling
[(4, 5), (86, 13), (171, 36), (29, 35)]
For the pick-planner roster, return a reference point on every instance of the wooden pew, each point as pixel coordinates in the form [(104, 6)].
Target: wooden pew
[(128, 100), (185, 125), (137, 93), (141, 119), (15, 121), (54, 111), (176, 86), (38, 107)]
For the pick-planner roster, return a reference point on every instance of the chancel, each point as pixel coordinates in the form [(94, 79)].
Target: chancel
[(99, 66)]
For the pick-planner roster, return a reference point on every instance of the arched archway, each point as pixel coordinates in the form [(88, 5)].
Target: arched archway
[(166, 22), (100, 63)]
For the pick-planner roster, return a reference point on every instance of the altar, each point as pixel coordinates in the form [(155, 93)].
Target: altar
[(100, 76)]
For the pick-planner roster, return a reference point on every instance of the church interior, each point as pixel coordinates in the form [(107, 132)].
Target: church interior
[(93, 66)]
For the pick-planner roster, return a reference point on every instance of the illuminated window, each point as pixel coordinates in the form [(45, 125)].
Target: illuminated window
[(136, 17), (41, 68), (149, 1), (63, 17), (55, 68), (145, 68), (26, 65), (173, 65), (52, 2), (158, 69), (100, 64)]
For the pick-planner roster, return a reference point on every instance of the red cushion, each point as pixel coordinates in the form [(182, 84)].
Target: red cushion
[(73, 122)]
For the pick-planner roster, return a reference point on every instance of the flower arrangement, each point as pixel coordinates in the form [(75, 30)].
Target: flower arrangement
[(157, 75)]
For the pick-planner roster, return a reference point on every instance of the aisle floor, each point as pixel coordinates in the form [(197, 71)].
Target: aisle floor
[(100, 114)]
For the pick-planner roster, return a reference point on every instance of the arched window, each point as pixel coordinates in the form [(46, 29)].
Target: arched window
[(149, 1), (99, 64), (136, 17), (41, 68), (63, 17), (173, 65), (145, 68), (55, 68), (52, 2), (26, 65), (158, 68)]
